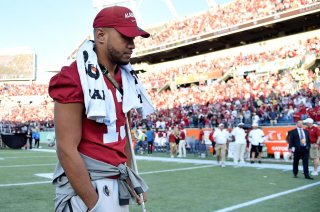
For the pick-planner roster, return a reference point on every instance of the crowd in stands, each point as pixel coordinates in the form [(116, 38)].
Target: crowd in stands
[(19, 108), (218, 17), (291, 94), (222, 65), (9, 90), (288, 93)]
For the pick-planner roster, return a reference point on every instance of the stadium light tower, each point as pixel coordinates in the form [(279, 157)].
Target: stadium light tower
[(212, 3), (171, 8)]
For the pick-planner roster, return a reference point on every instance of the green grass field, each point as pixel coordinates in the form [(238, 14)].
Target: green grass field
[(174, 186)]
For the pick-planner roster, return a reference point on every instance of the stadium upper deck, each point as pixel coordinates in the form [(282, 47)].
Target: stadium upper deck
[(234, 24)]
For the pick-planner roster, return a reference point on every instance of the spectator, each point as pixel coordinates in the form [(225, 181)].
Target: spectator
[(213, 143), (273, 117), (29, 138), (150, 139), (182, 143), (200, 140), (240, 143), (255, 118), (256, 138), (36, 138), (221, 137), (141, 142), (172, 142), (314, 135), (299, 140)]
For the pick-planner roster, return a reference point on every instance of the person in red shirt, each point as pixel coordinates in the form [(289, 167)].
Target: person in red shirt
[(297, 116), (186, 121), (312, 113), (314, 134), (317, 112), (199, 141), (172, 141), (211, 138), (91, 106), (201, 134)]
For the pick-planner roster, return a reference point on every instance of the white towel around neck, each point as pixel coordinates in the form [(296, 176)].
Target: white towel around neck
[(96, 94)]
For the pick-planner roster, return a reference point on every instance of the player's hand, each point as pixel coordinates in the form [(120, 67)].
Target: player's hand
[(139, 200), (137, 197)]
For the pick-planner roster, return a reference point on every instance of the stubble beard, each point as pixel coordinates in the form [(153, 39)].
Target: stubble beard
[(115, 56)]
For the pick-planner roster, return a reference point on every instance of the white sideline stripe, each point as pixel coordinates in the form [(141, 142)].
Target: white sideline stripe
[(1, 158), (49, 175), (45, 156), (214, 162), (45, 175), (255, 201), (194, 161), (14, 166), (173, 170), (13, 153), (24, 184), (43, 150)]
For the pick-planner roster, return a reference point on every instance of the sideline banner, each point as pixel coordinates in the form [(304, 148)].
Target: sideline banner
[(276, 138), (194, 132)]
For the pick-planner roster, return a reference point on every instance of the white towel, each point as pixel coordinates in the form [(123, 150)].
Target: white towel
[(96, 94), (132, 87)]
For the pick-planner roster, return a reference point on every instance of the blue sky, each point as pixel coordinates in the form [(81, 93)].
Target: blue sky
[(54, 28)]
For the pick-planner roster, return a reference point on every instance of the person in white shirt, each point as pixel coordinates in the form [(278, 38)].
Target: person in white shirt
[(221, 136), (255, 118), (158, 124), (163, 124), (256, 139), (240, 143)]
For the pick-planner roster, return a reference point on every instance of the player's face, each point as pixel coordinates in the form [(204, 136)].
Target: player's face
[(119, 47)]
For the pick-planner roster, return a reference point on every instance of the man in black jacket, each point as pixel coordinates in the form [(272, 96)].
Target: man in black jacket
[(299, 144)]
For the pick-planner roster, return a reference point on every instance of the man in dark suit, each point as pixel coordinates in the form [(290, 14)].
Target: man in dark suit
[(299, 144)]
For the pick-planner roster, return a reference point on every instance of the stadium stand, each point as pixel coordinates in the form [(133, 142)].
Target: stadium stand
[(222, 16), (262, 56), (226, 86)]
